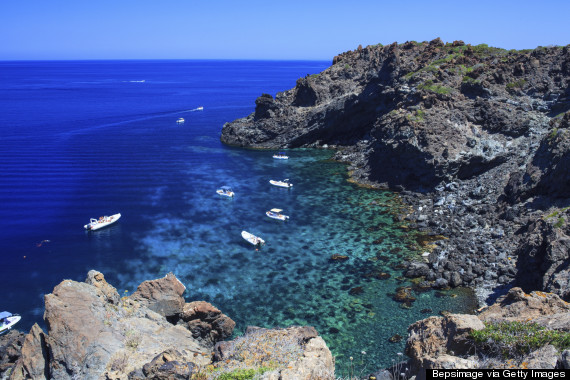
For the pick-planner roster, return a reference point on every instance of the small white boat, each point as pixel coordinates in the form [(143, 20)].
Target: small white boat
[(252, 239), (200, 108), (275, 213), (284, 183), (225, 191), (103, 221), (8, 320), (180, 121), (280, 156)]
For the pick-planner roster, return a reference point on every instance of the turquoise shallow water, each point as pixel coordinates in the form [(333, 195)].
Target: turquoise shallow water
[(84, 139), (292, 280)]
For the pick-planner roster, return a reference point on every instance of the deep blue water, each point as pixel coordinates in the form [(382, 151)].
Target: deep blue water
[(84, 139)]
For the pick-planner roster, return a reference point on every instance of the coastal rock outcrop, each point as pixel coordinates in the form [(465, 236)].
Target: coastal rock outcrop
[(300, 351), (10, 349), (206, 322), (152, 334), (544, 256), (447, 342), (163, 295), (473, 138)]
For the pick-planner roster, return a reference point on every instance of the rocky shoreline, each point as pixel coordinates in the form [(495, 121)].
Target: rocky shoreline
[(474, 138), (93, 333)]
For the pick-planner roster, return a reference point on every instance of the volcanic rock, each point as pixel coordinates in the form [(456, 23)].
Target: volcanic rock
[(163, 295), (207, 323)]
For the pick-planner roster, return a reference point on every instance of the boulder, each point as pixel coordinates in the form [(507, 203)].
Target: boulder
[(170, 365), (544, 358), (206, 322), (416, 269), (163, 295), (519, 306), (430, 339)]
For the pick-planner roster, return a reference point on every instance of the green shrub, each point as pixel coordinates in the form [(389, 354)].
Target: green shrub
[(484, 50), (512, 339), (468, 79), (418, 116), (435, 88), (518, 84), (552, 135), (559, 223), (243, 374)]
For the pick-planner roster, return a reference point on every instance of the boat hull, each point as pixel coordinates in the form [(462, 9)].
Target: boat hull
[(252, 239), (281, 184), (223, 193), (98, 225), (277, 217), (11, 322), (281, 157)]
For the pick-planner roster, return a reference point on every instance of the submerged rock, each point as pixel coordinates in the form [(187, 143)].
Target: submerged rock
[(395, 338), (338, 257)]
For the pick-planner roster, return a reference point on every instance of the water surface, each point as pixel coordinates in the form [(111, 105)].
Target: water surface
[(84, 139)]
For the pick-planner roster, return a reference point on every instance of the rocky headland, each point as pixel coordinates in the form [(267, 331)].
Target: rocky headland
[(474, 139), (93, 333)]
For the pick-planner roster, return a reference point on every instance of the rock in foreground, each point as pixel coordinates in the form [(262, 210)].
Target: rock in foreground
[(92, 333), (446, 342)]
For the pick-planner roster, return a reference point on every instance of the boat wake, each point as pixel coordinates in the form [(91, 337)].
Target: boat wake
[(129, 121)]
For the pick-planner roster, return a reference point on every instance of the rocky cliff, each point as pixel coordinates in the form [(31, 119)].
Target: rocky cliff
[(92, 333), (474, 138), (519, 321)]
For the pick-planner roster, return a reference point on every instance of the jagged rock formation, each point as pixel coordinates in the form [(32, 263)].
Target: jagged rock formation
[(92, 333), (444, 342), (474, 137)]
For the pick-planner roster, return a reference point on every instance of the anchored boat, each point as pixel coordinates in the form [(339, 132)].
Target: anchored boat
[(284, 183), (225, 191), (280, 156), (8, 320), (103, 221), (252, 239), (275, 213)]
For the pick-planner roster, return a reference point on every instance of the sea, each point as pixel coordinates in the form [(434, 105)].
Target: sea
[(83, 139)]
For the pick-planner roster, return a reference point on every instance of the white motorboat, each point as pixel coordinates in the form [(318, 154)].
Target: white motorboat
[(280, 156), (200, 108), (8, 320), (103, 221), (225, 191), (252, 239), (180, 121), (284, 183), (275, 213)]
